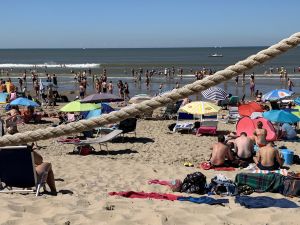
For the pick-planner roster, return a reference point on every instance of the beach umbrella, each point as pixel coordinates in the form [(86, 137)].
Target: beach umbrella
[(200, 108), (249, 108), (277, 94), (214, 93), (280, 116), (101, 97), (105, 108), (77, 106), (24, 102), (139, 98), (295, 110)]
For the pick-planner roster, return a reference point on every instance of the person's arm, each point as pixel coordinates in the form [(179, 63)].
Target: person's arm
[(229, 155), (278, 158), (38, 159)]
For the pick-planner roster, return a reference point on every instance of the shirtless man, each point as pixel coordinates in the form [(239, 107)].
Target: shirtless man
[(220, 153), (244, 147), (268, 158), (260, 135)]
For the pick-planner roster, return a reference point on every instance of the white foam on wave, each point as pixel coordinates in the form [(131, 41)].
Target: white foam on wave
[(45, 65)]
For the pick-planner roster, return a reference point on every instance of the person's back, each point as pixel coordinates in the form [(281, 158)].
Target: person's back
[(244, 146), (260, 135), (220, 153), (268, 158)]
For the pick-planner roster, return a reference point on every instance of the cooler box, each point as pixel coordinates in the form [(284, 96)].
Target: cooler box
[(288, 156)]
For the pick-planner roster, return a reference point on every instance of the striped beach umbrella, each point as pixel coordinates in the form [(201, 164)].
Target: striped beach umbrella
[(277, 94), (214, 93)]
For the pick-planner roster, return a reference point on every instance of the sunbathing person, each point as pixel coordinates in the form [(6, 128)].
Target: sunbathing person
[(42, 167), (221, 154), (244, 147), (260, 135), (268, 158)]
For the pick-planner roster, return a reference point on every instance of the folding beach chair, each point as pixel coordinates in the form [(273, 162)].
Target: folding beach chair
[(99, 140), (17, 170)]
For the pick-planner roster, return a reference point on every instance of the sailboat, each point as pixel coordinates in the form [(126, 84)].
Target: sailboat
[(216, 55)]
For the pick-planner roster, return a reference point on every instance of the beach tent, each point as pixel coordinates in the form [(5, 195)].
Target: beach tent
[(249, 108), (247, 125)]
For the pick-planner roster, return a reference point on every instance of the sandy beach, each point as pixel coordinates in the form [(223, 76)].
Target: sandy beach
[(83, 183)]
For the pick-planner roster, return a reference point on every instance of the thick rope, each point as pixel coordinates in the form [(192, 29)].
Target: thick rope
[(150, 105)]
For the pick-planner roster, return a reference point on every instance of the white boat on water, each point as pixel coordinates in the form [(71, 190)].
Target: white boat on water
[(216, 55)]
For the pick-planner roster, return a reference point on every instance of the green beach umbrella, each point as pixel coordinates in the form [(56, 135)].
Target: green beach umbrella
[(76, 106), (296, 111)]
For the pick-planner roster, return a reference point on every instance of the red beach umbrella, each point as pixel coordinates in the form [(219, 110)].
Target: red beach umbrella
[(249, 108)]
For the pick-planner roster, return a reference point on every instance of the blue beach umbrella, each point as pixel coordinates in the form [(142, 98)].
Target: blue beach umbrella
[(277, 94), (24, 102), (105, 108), (280, 116), (297, 101)]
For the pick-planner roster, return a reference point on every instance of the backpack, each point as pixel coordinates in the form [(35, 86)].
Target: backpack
[(194, 183), (221, 185), (84, 150), (292, 185)]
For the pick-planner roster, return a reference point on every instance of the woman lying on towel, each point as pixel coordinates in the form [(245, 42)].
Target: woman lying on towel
[(268, 158)]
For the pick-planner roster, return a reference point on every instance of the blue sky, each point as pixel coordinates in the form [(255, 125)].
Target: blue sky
[(145, 23)]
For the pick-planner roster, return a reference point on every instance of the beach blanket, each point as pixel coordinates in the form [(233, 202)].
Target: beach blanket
[(264, 202), (283, 172), (152, 195), (208, 166), (270, 182), (204, 200)]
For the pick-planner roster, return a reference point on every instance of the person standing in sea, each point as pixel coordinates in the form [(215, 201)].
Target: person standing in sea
[(243, 79), (54, 79), (110, 87), (290, 84), (252, 85)]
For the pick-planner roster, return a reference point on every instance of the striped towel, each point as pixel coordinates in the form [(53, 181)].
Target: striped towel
[(283, 172)]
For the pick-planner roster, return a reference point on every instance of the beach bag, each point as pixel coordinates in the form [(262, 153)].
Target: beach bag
[(84, 150), (221, 185), (194, 183), (292, 185)]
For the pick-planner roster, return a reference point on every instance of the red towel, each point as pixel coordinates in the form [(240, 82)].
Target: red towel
[(161, 182), (152, 195), (208, 166)]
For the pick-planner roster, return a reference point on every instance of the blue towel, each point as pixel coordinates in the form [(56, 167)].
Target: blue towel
[(264, 202), (204, 200)]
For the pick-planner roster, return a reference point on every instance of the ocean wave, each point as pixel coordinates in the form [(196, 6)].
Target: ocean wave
[(45, 65)]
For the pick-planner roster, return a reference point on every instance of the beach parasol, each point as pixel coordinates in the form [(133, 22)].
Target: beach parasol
[(277, 94), (214, 93), (297, 101), (105, 108), (24, 102), (249, 108), (101, 97), (200, 108), (77, 106), (280, 116)]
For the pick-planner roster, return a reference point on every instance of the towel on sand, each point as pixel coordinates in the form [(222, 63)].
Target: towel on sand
[(204, 200), (208, 166), (264, 202), (152, 195)]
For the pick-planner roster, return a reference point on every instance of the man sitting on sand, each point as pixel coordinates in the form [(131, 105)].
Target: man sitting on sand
[(221, 154), (244, 147), (42, 167), (268, 158), (260, 135)]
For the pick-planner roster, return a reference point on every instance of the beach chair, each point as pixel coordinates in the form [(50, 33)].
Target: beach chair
[(207, 127), (233, 114), (99, 140), (17, 170), (185, 122)]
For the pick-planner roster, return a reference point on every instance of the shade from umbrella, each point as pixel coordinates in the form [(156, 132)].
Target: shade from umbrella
[(249, 108), (280, 116), (77, 106), (24, 102), (277, 94), (139, 98), (101, 97), (200, 108), (214, 93)]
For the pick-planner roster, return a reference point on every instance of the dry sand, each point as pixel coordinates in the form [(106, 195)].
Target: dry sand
[(84, 183)]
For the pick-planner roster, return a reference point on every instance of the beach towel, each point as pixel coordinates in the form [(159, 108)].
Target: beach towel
[(271, 182), (152, 195), (283, 172), (204, 200), (264, 202), (208, 166)]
